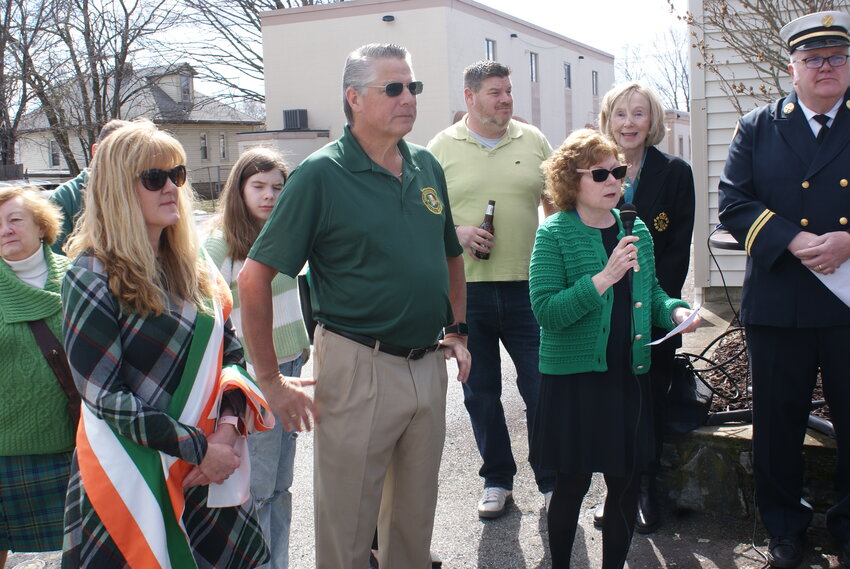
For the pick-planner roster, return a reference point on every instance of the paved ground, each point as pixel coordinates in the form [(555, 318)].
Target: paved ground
[(519, 539)]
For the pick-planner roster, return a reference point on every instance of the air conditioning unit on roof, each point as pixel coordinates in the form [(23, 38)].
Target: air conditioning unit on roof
[(295, 119)]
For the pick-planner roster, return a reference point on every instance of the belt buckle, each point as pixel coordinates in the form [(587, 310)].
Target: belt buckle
[(417, 353)]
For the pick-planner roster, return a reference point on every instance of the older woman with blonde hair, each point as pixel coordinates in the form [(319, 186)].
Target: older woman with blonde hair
[(661, 187), (36, 415), (165, 397), (595, 414)]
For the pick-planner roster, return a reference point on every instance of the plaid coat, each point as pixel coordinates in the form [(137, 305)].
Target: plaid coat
[(127, 368)]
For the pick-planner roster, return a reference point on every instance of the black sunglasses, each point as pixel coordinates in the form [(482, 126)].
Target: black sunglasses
[(395, 88), (154, 180), (601, 174)]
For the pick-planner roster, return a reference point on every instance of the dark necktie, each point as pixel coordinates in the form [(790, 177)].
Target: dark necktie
[(822, 119)]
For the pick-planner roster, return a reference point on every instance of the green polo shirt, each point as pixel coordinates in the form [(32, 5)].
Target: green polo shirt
[(377, 248), (508, 173)]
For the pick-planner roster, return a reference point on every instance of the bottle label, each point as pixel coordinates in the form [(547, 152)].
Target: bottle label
[(489, 210)]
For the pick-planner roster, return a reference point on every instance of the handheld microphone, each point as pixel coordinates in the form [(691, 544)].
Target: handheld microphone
[(628, 213)]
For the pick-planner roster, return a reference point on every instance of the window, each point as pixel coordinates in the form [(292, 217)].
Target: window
[(185, 88), (490, 50), (222, 146), (205, 150), (568, 78), (594, 82), (681, 146), (533, 63), (54, 153)]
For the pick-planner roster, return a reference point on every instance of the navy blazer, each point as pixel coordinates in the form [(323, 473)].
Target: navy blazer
[(777, 182), (664, 200)]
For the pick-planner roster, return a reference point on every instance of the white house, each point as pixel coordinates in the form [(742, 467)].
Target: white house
[(558, 83), (205, 127)]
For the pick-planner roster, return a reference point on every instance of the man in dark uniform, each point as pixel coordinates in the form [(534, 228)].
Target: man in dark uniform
[(784, 195)]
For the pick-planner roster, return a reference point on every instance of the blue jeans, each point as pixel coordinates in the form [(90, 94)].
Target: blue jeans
[(272, 465), (501, 311)]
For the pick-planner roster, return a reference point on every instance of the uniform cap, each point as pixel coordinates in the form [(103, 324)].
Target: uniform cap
[(813, 31)]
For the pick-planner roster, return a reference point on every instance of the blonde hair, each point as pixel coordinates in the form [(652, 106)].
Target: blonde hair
[(625, 90), (46, 214), (582, 149), (113, 229), (239, 227)]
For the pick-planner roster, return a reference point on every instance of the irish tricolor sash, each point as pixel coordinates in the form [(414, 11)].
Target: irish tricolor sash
[(138, 492)]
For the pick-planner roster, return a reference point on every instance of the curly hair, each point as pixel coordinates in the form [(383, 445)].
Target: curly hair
[(112, 226), (623, 91), (239, 227), (46, 214), (582, 149)]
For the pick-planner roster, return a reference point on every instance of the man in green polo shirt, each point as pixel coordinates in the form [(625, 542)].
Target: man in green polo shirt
[(371, 215), (487, 155)]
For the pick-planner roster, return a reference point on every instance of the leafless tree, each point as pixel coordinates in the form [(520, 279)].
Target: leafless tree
[(230, 52), (750, 30), (77, 56), (14, 93), (664, 68)]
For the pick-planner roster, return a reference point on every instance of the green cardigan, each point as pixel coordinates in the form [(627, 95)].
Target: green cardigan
[(33, 409), (573, 317)]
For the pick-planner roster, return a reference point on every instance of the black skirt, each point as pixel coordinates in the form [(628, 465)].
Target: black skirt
[(598, 421)]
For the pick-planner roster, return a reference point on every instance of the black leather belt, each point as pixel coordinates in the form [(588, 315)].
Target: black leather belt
[(368, 341)]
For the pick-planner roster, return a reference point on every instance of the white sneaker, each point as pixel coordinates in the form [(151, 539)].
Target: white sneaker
[(492, 502), (547, 497)]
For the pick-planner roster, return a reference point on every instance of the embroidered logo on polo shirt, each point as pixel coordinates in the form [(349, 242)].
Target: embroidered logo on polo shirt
[(661, 221), (432, 201)]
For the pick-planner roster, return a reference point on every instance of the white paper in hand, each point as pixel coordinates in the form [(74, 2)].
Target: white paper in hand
[(685, 323), (237, 488)]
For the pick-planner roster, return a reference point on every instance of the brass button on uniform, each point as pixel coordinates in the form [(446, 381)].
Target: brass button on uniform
[(804, 222), (843, 182), (843, 221), (638, 336), (638, 304), (805, 185)]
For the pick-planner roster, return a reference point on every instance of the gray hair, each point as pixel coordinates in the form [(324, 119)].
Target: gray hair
[(475, 74), (359, 72)]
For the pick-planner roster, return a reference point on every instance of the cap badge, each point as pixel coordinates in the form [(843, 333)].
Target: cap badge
[(788, 108), (827, 20)]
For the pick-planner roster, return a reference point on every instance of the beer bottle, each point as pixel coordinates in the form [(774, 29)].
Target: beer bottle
[(487, 225)]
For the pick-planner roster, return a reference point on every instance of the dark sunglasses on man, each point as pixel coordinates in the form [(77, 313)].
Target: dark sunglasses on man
[(154, 180), (601, 174), (396, 88)]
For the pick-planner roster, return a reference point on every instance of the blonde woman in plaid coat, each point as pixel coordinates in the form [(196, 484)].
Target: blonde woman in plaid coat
[(166, 401)]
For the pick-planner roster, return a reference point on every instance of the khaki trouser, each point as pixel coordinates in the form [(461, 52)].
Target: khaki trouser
[(378, 446)]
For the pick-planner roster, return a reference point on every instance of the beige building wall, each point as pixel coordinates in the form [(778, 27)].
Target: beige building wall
[(443, 37), (713, 119)]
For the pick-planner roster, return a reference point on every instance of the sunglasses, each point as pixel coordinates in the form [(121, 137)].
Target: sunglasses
[(601, 174), (396, 88), (154, 180)]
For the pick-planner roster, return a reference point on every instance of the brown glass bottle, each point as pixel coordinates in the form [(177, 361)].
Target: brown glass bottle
[(487, 225)]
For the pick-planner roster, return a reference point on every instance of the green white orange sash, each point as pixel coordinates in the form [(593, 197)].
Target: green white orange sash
[(138, 492)]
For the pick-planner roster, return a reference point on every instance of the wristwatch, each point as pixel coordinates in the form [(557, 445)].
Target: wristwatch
[(458, 329)]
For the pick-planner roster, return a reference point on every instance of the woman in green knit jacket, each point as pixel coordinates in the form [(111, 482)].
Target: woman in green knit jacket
[(595, 410), (36, 434)]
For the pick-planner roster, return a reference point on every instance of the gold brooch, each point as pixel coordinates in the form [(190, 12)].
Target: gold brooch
[(661, 222)]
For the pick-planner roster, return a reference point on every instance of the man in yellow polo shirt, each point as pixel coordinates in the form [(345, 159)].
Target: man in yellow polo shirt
[(488, 155)]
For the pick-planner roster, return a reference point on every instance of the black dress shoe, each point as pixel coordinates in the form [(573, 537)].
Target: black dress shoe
[(599, 515), (785, 552), (647, 513), (844, 555)]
